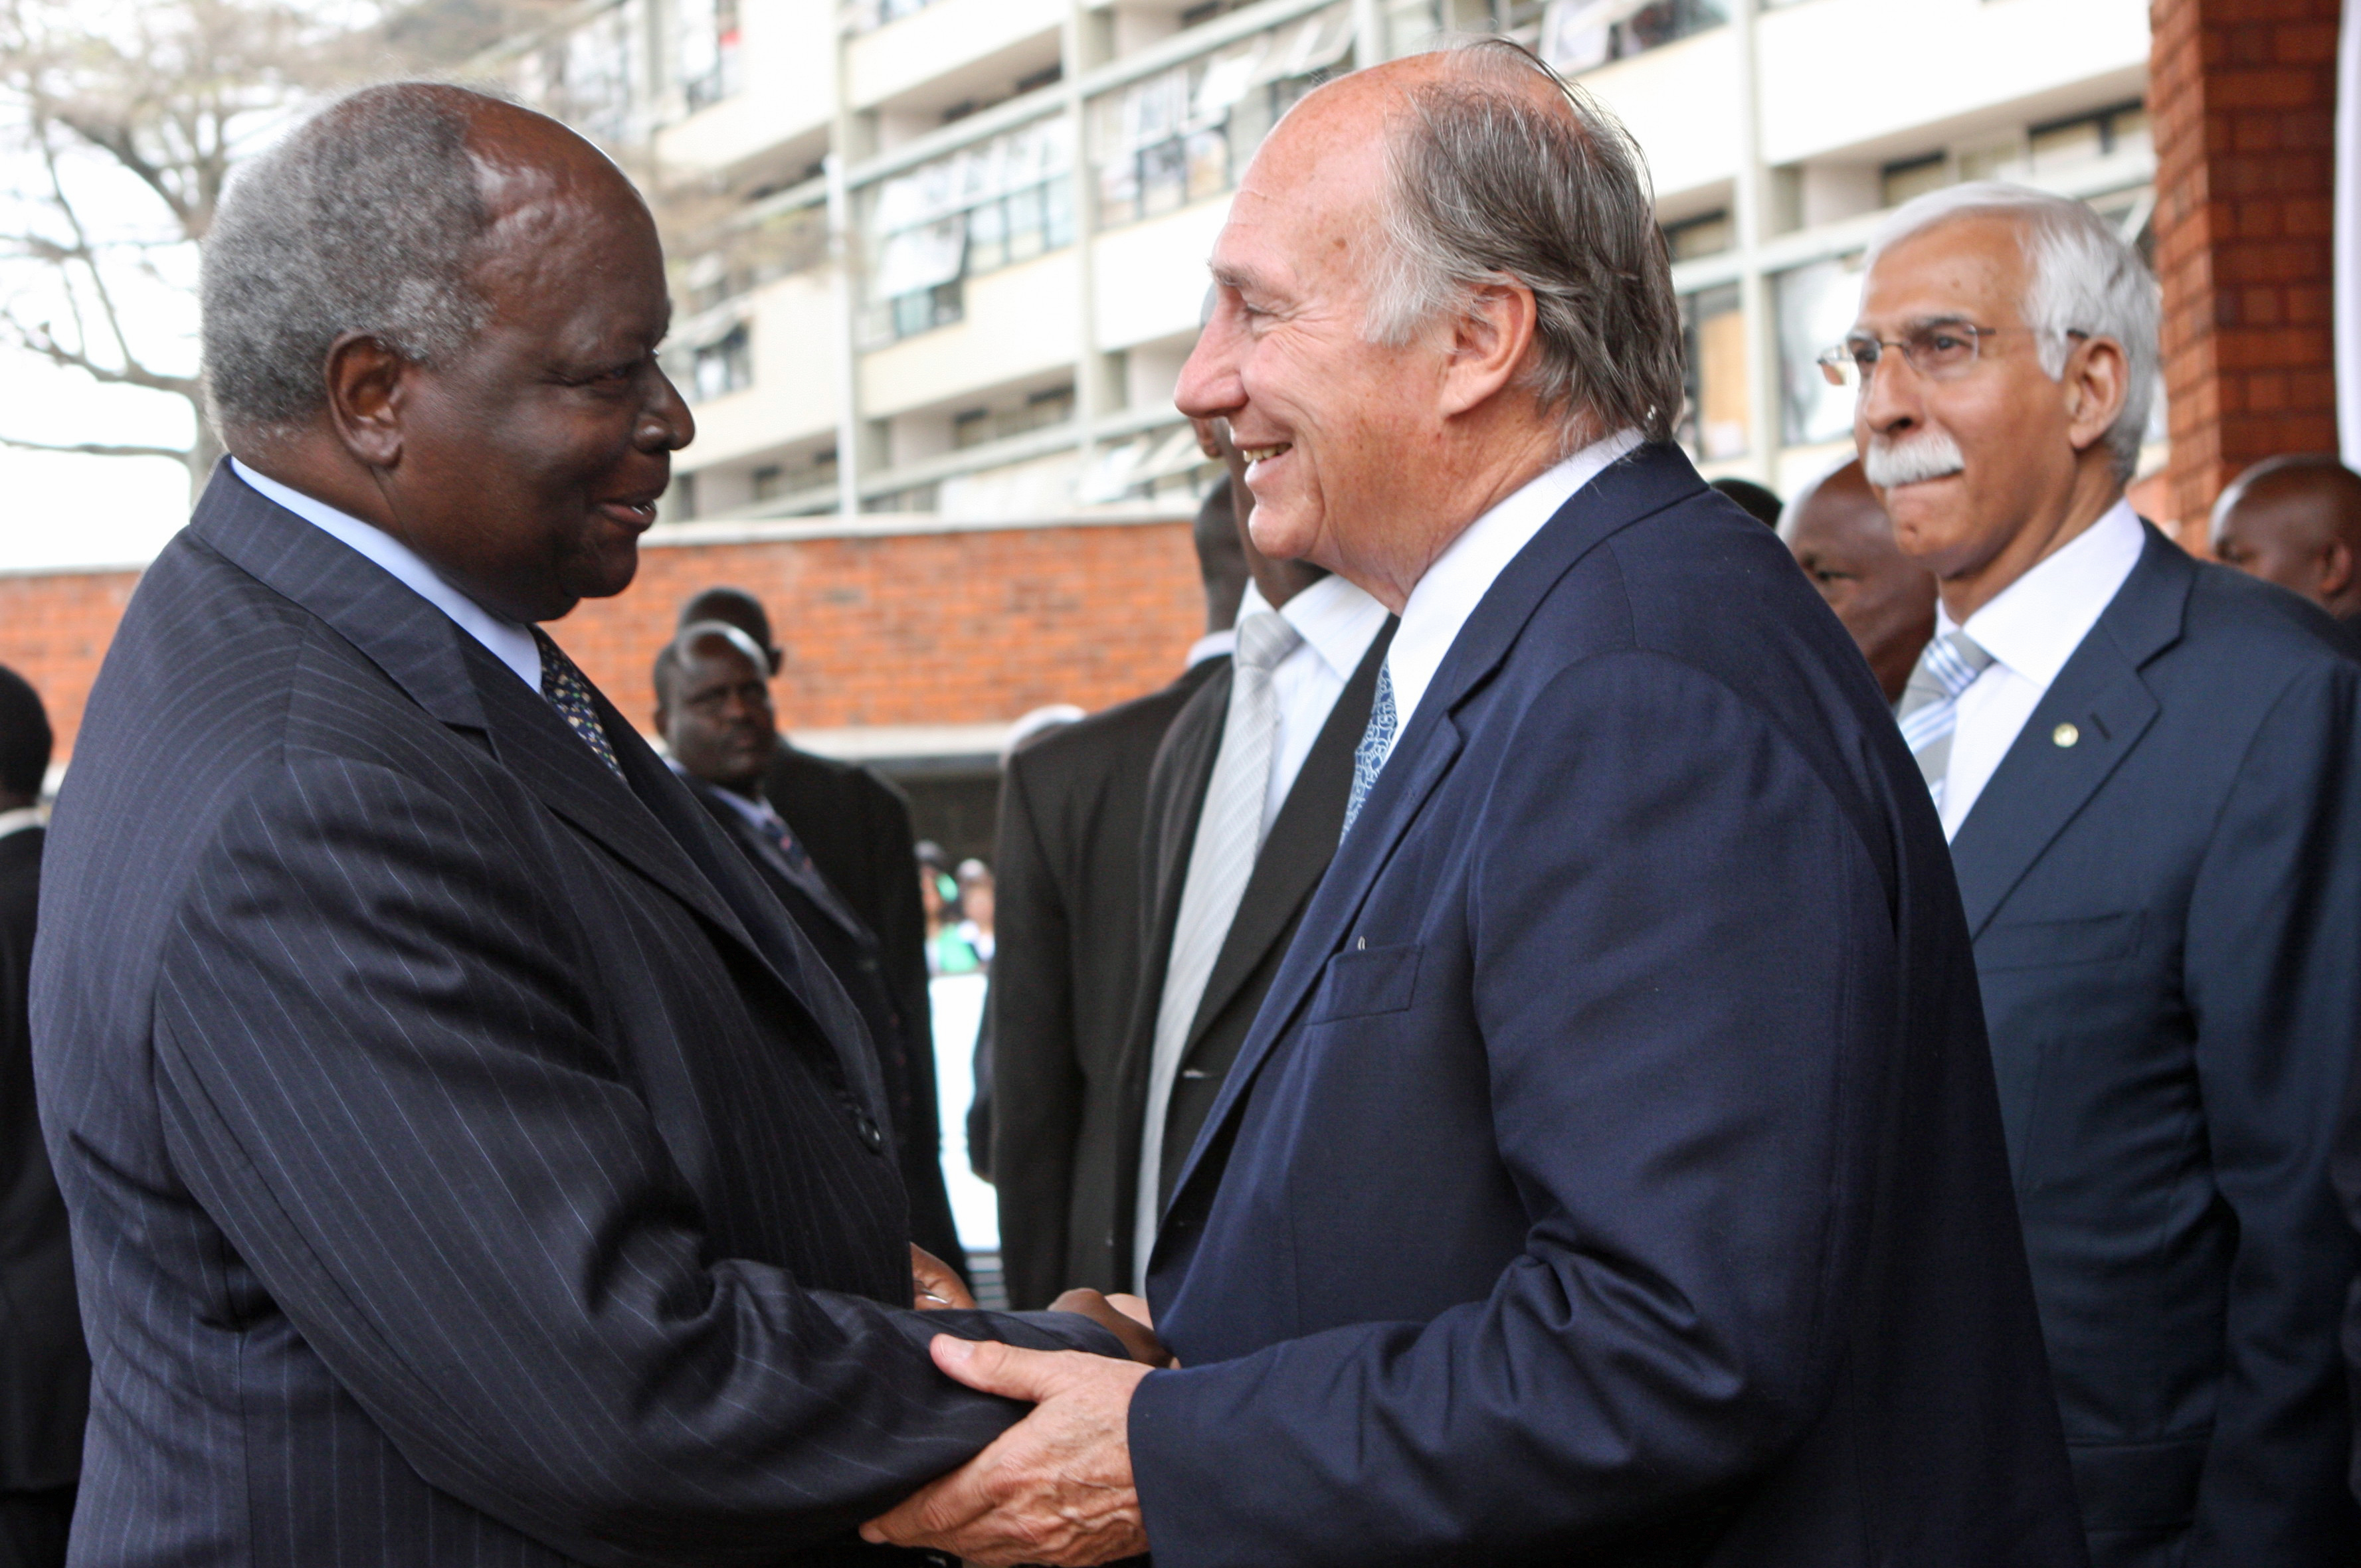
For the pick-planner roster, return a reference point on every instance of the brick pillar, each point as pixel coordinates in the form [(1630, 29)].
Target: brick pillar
[(2242, 99)]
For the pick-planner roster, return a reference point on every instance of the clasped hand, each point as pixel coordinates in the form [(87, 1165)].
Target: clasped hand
[(1057, 1486)]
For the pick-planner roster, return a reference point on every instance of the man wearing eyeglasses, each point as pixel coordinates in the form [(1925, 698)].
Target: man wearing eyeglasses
[(2149, 770)]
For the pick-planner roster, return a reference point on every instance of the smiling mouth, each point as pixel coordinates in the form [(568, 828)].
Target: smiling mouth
[(630, 514), (1257, 455)]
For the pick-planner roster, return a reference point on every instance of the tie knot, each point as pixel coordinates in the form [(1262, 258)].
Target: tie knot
[(1950, 664), (1264, 638)]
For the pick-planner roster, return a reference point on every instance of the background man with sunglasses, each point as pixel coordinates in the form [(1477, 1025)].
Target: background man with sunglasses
[(2148, 771)]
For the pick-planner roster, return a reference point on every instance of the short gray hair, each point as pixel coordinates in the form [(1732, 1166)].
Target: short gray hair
[(367, 218), (2085, 279), (1484, 184)]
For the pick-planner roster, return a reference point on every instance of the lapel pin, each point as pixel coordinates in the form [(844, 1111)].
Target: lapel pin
[(2065, 735)]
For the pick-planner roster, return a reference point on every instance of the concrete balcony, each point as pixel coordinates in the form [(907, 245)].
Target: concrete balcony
[(787, 93), (930, 54), (793, 396), (1161, 263), (1018, 322)]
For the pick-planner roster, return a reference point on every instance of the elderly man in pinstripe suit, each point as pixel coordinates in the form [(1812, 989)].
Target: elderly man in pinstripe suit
[(469, 1161)]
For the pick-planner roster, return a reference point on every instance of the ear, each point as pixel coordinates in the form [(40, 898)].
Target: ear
[(366, 386), (1490, 338), (2097, 383), (2335, 570)]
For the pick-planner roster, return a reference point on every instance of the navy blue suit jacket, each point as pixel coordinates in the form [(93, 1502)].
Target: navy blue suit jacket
[(468, 1162), (2166, 916), (1613, 1173)]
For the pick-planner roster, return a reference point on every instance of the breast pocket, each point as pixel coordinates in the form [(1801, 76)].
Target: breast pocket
[(2044, 944), (1368, 981)]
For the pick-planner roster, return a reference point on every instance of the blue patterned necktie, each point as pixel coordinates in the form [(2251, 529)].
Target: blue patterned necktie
[(1929, 710), (569, 693), (1377, 745)]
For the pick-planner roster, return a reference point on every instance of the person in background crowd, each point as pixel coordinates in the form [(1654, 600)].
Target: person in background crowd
[(713, 709), (855, 824), (2296, 521), (1758, 501), (44, 1370), (1244, 806), (975, 910), (469, 1161), (1069, 909), (1844, 542), (1613, 1173), (2149, 770), (939, 889)]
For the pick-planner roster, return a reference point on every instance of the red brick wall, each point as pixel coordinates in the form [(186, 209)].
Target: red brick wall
[(912, 629), (54, 628), (2242, 99)]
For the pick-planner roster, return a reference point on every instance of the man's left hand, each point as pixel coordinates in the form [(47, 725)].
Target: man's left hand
[(1056, 1487)]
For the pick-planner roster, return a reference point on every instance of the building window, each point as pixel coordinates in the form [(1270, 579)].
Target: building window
[(723, 366), (1039, 410), (2063, 143), (1183, 135), (708, 50), (868, 16), (1714, 330), (1708, 235), (1580, 35), (764, 482), (584, 77), (1898, 182), (992, 205), (1816, 306)]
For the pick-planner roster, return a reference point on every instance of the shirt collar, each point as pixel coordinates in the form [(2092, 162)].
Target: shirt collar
[(1213, 645), (1337, 621), (1460, 577), (21, 818), (2033, 625), (505, 640)]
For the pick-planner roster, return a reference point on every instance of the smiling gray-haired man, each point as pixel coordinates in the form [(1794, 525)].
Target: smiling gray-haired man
[(2149, 770)]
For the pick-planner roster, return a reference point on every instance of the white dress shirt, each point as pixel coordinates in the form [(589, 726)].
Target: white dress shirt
[(1443, 599), (1213, 645), (23, 818), (1338, 622), (2031, 628), (507, 640)]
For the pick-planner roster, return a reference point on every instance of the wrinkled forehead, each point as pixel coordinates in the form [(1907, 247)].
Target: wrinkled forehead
[(1969, 267)]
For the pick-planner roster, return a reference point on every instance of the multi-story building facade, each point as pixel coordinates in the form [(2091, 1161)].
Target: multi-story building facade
[(945, 258)]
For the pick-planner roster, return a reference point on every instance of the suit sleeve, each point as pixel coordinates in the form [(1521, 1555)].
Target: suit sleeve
[(1675, 960), (2273, 976), (379, 1073), (1037, 1083)]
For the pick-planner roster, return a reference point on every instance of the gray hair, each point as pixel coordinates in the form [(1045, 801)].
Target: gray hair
[(2085, 279), (367, 218), (1483, 185)]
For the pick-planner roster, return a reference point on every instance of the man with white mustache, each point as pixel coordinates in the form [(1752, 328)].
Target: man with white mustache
[(2150, 773)]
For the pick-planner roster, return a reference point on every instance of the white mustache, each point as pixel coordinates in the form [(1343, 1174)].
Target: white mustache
[(1933, 456)]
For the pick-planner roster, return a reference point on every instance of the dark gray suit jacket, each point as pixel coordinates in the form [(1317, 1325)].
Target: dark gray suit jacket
[(2166, 916), (466, 1162), (44, 1373), (1301, 842), (1064, 976)]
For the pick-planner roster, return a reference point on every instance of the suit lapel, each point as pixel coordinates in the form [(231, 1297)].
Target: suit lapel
[(1650, 479), (1301, 843), (2041, 784)]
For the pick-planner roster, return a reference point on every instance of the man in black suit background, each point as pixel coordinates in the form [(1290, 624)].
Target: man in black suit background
[(713, 709), (1244, 808), (44, 1370), (469, 1161), (2149, 770), (2296, 521), (855, 826), (1844, 542), (1070, 923)]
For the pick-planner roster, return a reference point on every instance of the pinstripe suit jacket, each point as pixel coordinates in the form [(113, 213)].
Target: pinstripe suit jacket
[(468, 1162)]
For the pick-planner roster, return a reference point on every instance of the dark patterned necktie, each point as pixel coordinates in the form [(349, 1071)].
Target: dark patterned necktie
[(569, 693)]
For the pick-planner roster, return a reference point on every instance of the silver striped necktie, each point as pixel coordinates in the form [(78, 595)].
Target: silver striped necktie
[(1229, 836), (1929, 710)]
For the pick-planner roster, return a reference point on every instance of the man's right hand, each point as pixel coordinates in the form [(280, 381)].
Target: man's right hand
[(1130, 1326)]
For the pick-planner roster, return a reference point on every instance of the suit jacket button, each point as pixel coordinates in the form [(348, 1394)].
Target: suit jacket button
[(870, 1133)]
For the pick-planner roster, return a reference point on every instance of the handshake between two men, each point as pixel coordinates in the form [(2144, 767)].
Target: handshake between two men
[(1056, 1487)]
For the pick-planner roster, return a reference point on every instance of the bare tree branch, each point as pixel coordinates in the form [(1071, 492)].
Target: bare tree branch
[(95, 449)]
